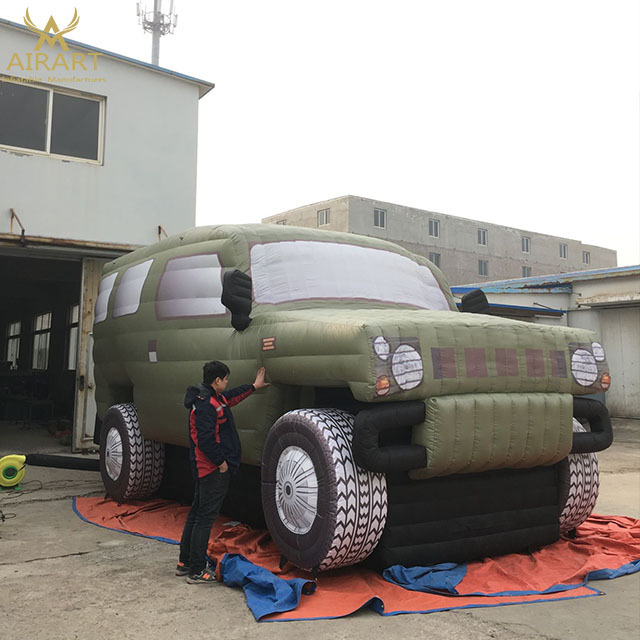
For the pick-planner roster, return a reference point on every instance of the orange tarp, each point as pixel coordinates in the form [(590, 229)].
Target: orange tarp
[(602, 542)]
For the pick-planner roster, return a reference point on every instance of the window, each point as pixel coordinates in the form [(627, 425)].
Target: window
[(323, 217), (526, 244), (104, 292), (41, 335), (191, 287), (564, 250), (380, 218), (129, 290), (483, 267), (526, 272), (13, 344), (73, 324), (283, 272), (586, 257), (482, 236), (51, 122), (281, 222), (435, 258), (434, 228)]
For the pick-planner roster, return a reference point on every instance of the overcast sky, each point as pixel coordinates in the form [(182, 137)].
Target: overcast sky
[(518, 112)]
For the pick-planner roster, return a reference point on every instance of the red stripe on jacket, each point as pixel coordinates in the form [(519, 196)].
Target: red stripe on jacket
[(203, 463)]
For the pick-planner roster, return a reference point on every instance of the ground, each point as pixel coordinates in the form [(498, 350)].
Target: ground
[(61, 578)]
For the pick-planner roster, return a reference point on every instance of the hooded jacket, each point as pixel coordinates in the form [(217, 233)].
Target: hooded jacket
[(213, 437)]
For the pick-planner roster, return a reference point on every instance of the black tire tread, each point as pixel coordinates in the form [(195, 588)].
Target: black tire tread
[(146, 457), (584, 484)]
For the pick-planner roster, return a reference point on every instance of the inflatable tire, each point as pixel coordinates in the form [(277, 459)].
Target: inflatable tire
[(580, 482), (322, 510), (131, 466)]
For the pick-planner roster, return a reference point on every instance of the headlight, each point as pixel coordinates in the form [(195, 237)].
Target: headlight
[(381, 347), (406, 366), (584, 367), (598, 351), (398, 364)]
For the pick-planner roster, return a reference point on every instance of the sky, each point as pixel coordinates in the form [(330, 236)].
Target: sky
[(524, 113)]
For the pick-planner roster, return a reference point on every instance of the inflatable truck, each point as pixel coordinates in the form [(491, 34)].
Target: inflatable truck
[(396, 426)]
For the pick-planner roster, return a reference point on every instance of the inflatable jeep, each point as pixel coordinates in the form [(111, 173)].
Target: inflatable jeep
[(395, 426)]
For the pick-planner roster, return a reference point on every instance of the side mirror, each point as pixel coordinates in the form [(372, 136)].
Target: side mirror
[(474, 302), (236, 296)]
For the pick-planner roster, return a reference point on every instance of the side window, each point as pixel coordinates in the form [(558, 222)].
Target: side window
[(73, 324), (41, 340), (129, 290), (51, 122), (190, 287), (380, 218), (323, 217), (104, 293), (13, 344)]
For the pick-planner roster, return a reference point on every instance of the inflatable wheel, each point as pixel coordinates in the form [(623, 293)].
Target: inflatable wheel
[(580, 483), (131, 466), (322, 510)]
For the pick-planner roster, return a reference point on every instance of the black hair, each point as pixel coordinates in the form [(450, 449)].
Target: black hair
[(213, 370)]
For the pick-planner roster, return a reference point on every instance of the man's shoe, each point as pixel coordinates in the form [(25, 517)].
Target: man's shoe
[(204, 576), (182, 569)]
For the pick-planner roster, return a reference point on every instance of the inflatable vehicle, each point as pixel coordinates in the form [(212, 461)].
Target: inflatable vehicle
[(396, 426)]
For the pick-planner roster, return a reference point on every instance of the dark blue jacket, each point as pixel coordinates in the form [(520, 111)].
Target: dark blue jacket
[(213, 437)]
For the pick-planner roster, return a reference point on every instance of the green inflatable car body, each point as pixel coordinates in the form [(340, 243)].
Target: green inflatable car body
[(395, 424)]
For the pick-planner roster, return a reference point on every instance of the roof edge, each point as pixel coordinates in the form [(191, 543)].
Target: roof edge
[(558, 279)]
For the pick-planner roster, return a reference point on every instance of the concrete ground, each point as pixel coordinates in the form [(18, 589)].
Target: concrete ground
[(61, 578)]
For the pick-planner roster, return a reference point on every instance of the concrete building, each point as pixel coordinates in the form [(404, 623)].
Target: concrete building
[(466, 250), (97, 157), (606, 301)]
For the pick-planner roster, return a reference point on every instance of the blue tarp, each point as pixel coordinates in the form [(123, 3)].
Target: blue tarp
[(444, 579), (265, 592)]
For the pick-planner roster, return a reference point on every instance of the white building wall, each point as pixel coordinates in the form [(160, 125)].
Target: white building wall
[(148, 176)]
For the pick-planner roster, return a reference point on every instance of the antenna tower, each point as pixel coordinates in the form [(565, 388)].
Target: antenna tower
[(158, 24)]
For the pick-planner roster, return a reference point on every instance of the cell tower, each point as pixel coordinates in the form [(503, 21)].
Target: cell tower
[(158, 24)]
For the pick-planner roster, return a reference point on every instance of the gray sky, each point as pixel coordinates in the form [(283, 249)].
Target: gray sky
[(517, 112)]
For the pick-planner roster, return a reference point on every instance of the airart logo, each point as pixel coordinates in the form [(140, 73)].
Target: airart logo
[(42, 61), (52, 26)]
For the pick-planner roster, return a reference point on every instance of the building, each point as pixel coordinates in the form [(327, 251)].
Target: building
[(97, 157), (466, 250), (606, 301)]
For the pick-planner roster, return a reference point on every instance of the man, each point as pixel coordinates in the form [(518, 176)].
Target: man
[(215, 454)]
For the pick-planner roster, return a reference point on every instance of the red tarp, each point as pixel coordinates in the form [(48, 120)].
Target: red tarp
[(603, 542)]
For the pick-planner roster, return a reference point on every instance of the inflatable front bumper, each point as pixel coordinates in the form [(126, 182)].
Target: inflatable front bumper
[(459, 434)]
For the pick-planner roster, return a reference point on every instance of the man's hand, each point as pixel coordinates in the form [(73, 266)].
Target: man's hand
[(259, 382), (224, 467)]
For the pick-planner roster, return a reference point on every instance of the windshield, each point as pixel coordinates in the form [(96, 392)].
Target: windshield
[(309, 270)]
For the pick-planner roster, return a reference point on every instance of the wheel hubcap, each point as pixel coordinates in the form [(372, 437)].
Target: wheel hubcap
[(296, 490), (113, 454)]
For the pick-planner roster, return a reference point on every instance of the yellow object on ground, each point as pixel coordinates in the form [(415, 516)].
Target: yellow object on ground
[(12, 470)]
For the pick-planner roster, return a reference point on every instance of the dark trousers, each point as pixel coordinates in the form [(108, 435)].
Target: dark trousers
[(209, 494)]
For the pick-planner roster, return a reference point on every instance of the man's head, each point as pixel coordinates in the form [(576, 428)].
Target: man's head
[(215, 374)]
